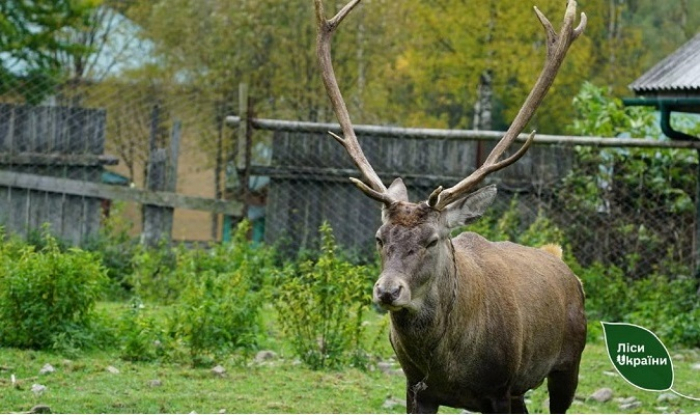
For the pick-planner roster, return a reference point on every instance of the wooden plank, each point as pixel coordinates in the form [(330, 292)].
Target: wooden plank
[(17, 223), (46, 159), (461, 135), (22, 181), (92, 207), (95, 133), (6, 126)]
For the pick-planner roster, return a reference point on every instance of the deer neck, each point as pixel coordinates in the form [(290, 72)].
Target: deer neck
[(440, 301)]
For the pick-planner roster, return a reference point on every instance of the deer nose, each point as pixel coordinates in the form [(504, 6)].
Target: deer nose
[(387, 295)]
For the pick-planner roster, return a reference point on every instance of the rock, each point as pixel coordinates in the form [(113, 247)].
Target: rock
[(631, 405), (678, 356), (662, 409), (38, 389), (384, 367), (696, 366), (388, 368), (113, 370), (265, 355), (40, 409), (222, 411), (667, 397), (218, 370), (46, 369), (602, 395), (628, 403), (155, 383), (392, 402)]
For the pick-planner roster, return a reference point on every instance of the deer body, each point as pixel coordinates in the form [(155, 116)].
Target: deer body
[(492, 343), (475, 324)]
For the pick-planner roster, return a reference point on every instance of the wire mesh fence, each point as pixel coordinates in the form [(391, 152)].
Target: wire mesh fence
[(629, 203), (626, 203)]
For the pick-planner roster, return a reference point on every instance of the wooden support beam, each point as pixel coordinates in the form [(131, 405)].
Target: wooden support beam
[(105, 191)]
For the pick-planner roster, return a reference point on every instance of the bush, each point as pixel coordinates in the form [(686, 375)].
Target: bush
[(160, 274), (47, 297), (140, 337), (218, 313), (220, 296), (117, 249), (321, 305)]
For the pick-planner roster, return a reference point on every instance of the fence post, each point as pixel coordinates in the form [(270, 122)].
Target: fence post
[(161, 175), (241, 156)]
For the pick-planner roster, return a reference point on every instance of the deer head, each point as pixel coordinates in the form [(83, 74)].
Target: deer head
[(414, 238)]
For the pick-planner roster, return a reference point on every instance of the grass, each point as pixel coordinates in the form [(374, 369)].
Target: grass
[(83, 385)]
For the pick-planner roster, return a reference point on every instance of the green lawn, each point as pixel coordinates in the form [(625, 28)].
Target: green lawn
[(83, 385)]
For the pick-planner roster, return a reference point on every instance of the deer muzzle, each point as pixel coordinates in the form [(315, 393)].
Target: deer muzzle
[(391, 292)]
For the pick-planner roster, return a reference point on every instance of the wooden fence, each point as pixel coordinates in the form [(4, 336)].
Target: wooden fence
[(309, 180), (57, 142), (51, 163)]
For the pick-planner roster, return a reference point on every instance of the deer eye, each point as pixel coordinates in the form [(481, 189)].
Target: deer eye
[(380, 243), (432, 243)]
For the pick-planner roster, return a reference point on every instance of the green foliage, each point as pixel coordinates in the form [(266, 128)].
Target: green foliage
[(218, 313), (47, 297), (116, 248), (153, 278), (321, 306), (159, 274), (140, 336), (622, 195), (32, 35)]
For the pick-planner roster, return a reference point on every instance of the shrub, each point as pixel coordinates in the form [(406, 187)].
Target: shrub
[(116, 248), (47, 297), (160, 273), (140, 337), (220, 297), (321, 305), (153, 278), (218, 313)]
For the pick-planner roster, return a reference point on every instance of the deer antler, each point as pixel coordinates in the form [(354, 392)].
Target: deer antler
[(557, 46), (325, 28)]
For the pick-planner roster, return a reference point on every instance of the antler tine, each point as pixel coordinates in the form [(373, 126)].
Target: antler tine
[(557, 47), (325, 29)]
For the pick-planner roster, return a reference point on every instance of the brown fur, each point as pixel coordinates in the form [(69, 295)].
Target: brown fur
[(553, 249), (409, 215)]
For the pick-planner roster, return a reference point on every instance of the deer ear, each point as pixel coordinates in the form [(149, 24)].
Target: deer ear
[(397, 190), (471, 207)]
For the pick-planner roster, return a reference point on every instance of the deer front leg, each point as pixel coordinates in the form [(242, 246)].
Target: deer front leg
[(417, 402)]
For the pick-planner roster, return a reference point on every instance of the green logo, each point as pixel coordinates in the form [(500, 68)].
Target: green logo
[(640, 357)]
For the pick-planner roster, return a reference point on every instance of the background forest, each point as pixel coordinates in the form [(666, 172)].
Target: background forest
[(440, 63)]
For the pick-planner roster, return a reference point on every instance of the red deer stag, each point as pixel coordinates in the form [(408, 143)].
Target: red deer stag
[(475, 324)]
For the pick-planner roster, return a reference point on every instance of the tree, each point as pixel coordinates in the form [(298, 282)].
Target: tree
[(30, 37), (461, 42)]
